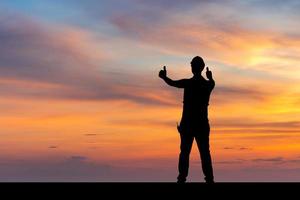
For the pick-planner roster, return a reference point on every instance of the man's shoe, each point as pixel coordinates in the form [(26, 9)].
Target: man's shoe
[(209, 180), (181, 180)]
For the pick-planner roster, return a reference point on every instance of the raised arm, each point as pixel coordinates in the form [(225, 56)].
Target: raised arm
[(210, 78), (177, 83)]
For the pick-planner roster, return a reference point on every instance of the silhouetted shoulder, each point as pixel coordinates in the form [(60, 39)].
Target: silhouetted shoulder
[(200, 82), (211, 84), (185, 82)]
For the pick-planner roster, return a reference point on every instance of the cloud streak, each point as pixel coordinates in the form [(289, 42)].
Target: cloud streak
[(59, 65), (221, 40)]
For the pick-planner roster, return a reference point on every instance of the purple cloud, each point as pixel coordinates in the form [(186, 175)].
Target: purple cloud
[(57, 68)]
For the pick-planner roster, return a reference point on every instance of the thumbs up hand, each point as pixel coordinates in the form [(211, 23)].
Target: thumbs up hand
[(163, 73), (208, 74)]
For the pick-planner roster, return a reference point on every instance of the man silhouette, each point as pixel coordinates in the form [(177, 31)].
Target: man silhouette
[(194, 122)]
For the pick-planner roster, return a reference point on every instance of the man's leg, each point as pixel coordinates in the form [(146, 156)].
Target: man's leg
[(203, 146), (184, 157)]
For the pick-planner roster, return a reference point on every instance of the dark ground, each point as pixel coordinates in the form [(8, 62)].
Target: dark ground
[(151, 190)]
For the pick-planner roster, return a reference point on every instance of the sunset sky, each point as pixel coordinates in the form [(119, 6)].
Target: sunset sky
[(80, 97)]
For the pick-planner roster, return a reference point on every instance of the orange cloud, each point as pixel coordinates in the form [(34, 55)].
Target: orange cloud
[(233, 45)]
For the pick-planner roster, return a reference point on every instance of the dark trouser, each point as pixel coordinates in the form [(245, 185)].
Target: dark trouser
[(202, 140)]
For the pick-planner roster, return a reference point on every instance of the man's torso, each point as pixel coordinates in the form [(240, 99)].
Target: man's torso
[(195, 103)]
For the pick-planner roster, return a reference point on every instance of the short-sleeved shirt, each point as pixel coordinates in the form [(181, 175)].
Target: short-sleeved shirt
[(195, 102)]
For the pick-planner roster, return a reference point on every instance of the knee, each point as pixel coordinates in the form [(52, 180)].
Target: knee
[(204, 148), (184, 153), (204, 152)]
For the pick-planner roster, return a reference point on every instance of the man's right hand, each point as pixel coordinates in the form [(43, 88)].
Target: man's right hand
[(163, 73), (209, 74)]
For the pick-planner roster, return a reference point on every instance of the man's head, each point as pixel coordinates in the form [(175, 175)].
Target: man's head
[(197, 65)]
